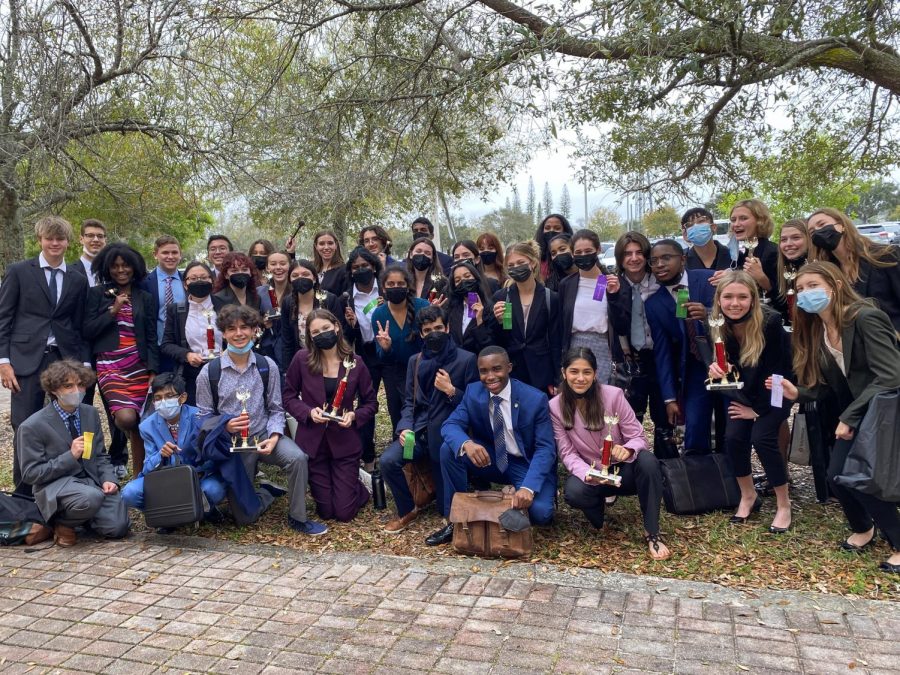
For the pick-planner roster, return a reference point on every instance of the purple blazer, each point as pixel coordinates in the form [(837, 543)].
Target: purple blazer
[(578, 447), (305, 390)]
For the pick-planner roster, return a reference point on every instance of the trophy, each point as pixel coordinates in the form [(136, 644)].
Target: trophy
[(604, 476), (334, 409), (435, 280), (321, 295), (211, 350), (275, 312), (790, 295), (242, 442), (751, 245), (732, 378), (202, 257)]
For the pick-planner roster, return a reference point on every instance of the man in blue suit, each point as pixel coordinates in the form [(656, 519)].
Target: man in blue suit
[(166, 287), (680, 368), (501, 432)]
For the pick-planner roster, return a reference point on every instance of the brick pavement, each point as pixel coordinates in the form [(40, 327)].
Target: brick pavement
[(189, 605)]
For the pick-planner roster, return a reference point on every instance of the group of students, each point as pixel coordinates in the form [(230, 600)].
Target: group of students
[(495, 362)]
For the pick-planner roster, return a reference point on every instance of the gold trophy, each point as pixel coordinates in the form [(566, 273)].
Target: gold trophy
[(333, 410), (732, 377), (604, 476), (242, 442)]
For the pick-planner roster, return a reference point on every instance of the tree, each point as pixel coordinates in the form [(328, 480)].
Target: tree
[(548, 201), (662, 222), (877, 198), (530, 206), (516, 200), (510, 226), (606, 223), (565, 202)]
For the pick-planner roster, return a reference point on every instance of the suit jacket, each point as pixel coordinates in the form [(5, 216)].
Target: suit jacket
[(78, 266), (538, 348), (670, 339), (151, 285), (619, 307), (475, 338), (882, 284), (291, 340), (155, 433), (102, 332), (44, 458), (335, 281), (531, 425), (27, 316), (568, 293), (305, 390), (872, 360), (578, 446)]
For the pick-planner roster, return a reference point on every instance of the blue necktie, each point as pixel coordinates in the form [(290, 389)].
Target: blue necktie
[(638, 334), (499, 435)]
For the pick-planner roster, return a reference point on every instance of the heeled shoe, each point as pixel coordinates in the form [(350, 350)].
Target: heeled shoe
[(779, 530), (740, 520), (853, 548), (890, 568)]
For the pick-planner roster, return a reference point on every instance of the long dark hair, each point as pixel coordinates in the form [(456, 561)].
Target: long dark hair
[(554, 276), (104, 260), (410, 297), (539, 235), (483, 290), (435, 263), (295, 296), (591, 408)]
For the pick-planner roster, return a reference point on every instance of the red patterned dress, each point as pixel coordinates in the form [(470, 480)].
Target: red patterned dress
[(121, 375)]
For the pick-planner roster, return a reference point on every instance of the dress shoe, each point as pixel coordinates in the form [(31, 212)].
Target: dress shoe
[(778, 530), (64, 536), (738, 520), (400, 523), (890, 568), (442, 536), (853, 548), (37, 534)]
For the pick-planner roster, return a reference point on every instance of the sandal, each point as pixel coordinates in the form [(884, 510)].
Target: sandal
[(654, 540)]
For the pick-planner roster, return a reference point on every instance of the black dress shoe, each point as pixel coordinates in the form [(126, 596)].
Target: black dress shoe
[(853, 548), (890, 568), (442, 536), (738, 520)]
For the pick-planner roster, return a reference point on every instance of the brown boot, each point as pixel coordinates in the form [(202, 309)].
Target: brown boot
[(64, 536), (401, 523), (37, 534)]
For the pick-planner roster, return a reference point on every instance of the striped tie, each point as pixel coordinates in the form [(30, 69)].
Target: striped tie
[(169, 294), (499, 435)]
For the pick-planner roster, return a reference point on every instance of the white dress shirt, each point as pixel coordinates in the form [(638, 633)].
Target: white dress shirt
[(512, 447), (590, 316), (364, 319), (195, 326)]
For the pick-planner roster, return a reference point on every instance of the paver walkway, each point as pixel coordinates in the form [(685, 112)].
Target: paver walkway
[(190, 605)]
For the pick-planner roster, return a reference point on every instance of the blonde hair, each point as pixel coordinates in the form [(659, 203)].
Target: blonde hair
[(794, 224), (529, 250), (753, 342), (764, 223), (856, 245), (54, 226)]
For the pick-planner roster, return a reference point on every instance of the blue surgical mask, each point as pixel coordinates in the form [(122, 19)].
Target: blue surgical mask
[(240, 350), (813, 301), (699, 234), (168, 408), (734, 248)]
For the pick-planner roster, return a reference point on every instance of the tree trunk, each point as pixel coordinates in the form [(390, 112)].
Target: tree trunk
[(339, 224), (12, 240)]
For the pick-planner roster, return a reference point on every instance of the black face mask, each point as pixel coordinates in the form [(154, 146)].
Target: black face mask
[(744, 318), (563, 262), (519, 272), (436, 340), (325, 340), (199, 289), (302, 285), (467, 286), (548, 236), (363, 277), (827, 237), (421, 261), (488, 257), (588, 261), (587, 392), (396, 295), (420, 235), (260, 262), (239, 279)]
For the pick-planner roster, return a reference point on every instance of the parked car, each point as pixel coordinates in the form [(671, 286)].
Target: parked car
[(875, 231), (892, 229)]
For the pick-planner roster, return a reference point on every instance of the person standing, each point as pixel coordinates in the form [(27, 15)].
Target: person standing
[(217, 247), (705, 253), (165, 286), (93, 239), (422, 227), (329, 263)]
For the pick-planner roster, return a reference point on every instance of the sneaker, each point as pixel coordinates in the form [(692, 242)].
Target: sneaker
[(366, 479), (400, 523), (120, 471), (213, 516), (273, 489), (310, 527)]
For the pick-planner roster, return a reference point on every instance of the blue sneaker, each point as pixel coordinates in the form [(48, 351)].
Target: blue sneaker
[(310, 527)]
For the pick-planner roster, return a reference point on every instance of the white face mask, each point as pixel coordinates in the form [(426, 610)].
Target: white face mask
[(168, 408), (71, 399)]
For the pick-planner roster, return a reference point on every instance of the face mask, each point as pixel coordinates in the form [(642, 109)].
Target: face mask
[(827, 237), (587, 392), (396, 295), (436, 340), (421, 261), (302, 285), (363, 277), (563, 262), (240, 350), (168, 408), (520, 272), (588, 261), (699, 234), (260, 262), (199, 289), (734, 248), (742, 319), (71, 399), (419, 235), (488, 257), (548, 236), (466, 286), (239, 279), (325, 340), (813, 301)]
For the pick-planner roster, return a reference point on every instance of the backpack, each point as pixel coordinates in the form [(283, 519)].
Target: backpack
[(215, 374)]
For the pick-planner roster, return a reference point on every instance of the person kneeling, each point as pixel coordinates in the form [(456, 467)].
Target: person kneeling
[(521, 450), (173, 430), (581, 416), (74, 482)]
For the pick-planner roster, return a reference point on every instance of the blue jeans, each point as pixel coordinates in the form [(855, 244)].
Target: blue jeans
[(455, 470), (212, 486)]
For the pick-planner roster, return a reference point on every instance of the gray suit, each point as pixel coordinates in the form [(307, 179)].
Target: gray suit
[(65, 487)]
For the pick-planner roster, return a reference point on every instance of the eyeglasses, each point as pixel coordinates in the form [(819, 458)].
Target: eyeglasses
[(663, 259), (94, 236)]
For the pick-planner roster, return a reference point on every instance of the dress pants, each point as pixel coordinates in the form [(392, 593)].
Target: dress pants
[(394, 375), (696, 403), (367, 431), (28, 400), (643, 393), (294, 462), (335, 485), (82, 502), (762, 434), (640, 477)]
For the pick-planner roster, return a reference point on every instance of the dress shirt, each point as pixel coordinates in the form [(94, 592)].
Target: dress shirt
[(590, 316), (195, 326), (91, 277), (178, 295), (673, 289), (646, 287), (364, 319), (65, 416), (42, 261), (836, 353), (512, 447)]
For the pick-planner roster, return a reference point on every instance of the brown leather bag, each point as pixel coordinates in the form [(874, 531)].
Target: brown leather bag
[(420, 481), (477, 530)]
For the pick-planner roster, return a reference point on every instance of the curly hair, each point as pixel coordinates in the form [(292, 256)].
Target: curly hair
[(237, 259), (103, 262), (58, 374)]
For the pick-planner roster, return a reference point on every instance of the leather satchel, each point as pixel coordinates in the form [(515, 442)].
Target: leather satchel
[(172, 495), (477, 529), (420, 481)]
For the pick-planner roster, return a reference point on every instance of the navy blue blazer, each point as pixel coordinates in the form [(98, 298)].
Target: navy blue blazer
[(670, 343), (151, 285), (531, 424)]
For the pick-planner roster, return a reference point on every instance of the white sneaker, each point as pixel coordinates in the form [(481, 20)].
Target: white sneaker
[(366, 479)]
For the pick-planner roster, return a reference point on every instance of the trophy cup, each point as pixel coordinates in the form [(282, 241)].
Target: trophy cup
[(321, 295), (732, 378), (790, 296), (334, 409), (604, 476), (275, 312), (211, 349), (751, 245), (242, 442)]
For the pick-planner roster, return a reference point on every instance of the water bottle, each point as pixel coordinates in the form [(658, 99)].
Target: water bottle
[(379, 499)]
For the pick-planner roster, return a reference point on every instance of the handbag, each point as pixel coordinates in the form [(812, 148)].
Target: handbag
[(800, 448), (696, 484), (418, 472), (873, 463), (21, 521), (172, 495), (477, 527)]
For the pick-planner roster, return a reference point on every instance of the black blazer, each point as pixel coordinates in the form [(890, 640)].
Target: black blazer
[(882, 284), (775, 358), (568, 293), (535, 352), (27, 317), (476, 337), (335, 281), (291, 340), (102, 332), (619, 308), (767, 252)]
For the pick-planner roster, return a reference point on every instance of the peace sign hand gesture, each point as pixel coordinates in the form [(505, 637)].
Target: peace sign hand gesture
[(383, 337)]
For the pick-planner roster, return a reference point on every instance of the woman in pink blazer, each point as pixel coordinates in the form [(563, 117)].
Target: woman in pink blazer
[(578, 415)]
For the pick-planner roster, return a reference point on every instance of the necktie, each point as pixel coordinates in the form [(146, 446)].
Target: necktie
[(73, 428), (169, 297), (499, 434), (638, 334), (54, 290), (690, 328)]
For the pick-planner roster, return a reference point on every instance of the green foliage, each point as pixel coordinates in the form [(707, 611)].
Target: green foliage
[(664, 221), (606, 223), (510, 226), (877, 198)]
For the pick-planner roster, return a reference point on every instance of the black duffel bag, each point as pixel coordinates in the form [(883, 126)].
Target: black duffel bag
[(172, 495), (873, 463), (696, 484), (20, 521)]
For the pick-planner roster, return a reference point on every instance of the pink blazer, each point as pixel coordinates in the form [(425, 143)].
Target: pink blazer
[(578, 447)]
